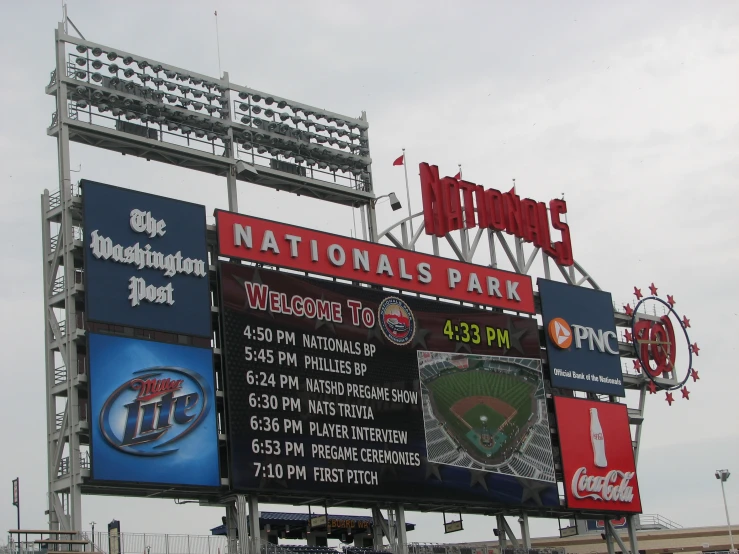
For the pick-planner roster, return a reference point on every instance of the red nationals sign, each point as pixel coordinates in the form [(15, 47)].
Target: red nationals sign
[(263, 241), (449, 203), (597, 456)]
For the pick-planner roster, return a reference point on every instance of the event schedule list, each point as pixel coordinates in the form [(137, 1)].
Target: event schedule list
[(316, 411)]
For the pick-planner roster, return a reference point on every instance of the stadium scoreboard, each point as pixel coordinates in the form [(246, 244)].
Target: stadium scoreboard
[(326, 394)]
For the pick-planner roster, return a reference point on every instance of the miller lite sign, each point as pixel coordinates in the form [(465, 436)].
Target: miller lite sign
[(153, 413), (597, 455)]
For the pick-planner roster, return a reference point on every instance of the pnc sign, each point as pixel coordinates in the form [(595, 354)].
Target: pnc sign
[(581, 340), (562, 333), (450, 204)]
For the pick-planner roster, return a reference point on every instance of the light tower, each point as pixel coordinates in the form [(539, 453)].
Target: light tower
[(723, 475)]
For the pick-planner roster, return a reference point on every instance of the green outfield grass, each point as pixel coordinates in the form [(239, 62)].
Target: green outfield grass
[(447, 389), (472, 417)]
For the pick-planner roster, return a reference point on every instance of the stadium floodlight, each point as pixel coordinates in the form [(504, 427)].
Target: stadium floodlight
[(243, 167), (394, 202), (723, 476), (164, 96)]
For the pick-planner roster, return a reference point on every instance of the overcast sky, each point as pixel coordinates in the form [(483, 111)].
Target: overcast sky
[(628, 108)]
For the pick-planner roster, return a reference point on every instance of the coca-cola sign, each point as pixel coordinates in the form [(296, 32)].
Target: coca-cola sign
[(597, 456)]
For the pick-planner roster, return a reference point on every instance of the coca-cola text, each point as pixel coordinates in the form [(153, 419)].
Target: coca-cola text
[(613, 487)]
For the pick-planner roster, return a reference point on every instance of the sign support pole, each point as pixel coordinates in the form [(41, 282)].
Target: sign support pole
[(245, 528), (508, 532), (609, 536), (254, 523), (500, 520), (400, 530), (525, 536), (233, 199), (631, 522), (618, 540), (231, 527), (377, 529)]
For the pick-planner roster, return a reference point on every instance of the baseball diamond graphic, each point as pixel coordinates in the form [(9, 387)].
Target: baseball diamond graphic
[(486, 412)]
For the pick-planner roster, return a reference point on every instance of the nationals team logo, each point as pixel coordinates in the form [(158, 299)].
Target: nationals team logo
[(662, 353), (396, 321), (149, 413)]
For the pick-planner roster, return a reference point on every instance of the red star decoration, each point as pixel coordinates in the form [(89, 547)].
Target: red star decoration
[(671, 301), (652, 388), (637, 365), (628, 337), (694, 348), (629, 310), (653, 289), (686, 393), (686, 322), (637, 293), (669, 398), (694, 375)]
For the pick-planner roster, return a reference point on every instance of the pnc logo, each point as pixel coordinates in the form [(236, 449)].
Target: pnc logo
[(562, 335), (148, 414)]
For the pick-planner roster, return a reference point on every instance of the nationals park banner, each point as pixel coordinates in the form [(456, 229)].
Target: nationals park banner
[(272, 243)]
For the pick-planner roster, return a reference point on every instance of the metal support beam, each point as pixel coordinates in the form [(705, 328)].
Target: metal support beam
[(233, 199), (400, 532), (523, 520), (509, 533), (616, 538), (609, 537), (634, 542), (64, 484), (242, 524), (254, 534), (372, 222), (379, 528), (231, 528), (392, 536), (502, 542)]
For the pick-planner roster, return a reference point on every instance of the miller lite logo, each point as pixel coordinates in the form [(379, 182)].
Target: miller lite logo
[(159, 406)]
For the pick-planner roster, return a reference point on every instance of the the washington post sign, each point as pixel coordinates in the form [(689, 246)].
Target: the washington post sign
[(146, 261)]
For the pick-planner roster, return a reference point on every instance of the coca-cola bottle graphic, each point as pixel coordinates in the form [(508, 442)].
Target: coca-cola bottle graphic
[(596, 437)]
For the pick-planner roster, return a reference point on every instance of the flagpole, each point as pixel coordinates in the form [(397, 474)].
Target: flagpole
[(218, 45), (408, 194)]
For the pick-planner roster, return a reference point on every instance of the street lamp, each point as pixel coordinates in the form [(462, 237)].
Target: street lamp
[(723, 475)]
